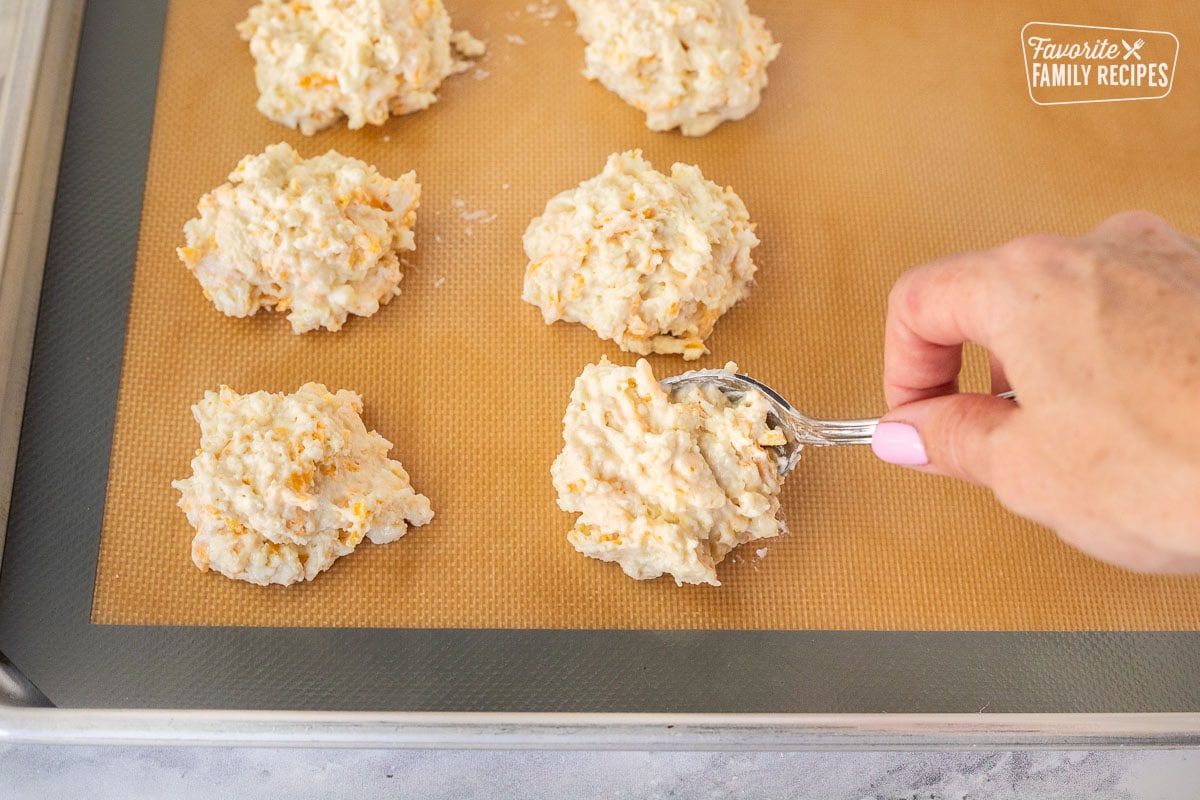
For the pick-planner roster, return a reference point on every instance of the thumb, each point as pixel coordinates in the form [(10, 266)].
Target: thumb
[(959, 435)]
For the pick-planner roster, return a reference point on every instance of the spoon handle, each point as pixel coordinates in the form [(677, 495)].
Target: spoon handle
[(828, 432)]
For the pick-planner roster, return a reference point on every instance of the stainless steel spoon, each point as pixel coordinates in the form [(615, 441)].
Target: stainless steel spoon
[(799, 429)]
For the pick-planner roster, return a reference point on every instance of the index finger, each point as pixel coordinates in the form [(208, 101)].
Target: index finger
[(932, 310)]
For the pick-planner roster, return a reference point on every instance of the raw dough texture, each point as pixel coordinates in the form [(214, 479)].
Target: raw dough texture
[(319, 60), (645, 259), (283, 485), (315, 237), (665, 484), (690, 64)]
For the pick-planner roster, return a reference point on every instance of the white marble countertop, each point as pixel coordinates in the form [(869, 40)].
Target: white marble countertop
[(98, 773)]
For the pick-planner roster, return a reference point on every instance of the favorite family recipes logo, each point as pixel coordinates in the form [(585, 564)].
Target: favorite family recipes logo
[(1082, 64)]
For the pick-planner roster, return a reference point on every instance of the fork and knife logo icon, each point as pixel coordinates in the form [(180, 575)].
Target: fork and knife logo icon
[(1132, 49)]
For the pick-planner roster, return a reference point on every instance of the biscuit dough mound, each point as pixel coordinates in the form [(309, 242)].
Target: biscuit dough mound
[(319, 60), (665, 484), (283, 485), (690, 64), (315, 237), (647, 260)]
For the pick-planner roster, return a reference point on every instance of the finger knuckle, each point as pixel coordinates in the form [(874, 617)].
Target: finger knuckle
[(1045, 267), (1034, 252), (1137, 222), (905, 293)]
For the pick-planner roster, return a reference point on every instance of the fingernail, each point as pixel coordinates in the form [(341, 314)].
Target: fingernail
[(899, 443)]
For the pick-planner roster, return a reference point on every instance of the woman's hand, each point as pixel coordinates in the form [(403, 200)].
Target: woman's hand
[(1100, 338)]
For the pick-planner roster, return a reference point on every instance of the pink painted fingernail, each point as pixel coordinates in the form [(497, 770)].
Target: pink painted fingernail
[(899, 443)]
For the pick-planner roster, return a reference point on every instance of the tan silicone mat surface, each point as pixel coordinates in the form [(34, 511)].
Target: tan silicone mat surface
[(890, 134)]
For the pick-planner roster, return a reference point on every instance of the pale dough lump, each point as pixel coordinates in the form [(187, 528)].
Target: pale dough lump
[(688, 64), (315, 237), (283, 485), (319, 60), (648, 260)]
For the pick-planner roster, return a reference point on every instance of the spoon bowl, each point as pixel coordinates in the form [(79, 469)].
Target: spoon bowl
[(799, 429)]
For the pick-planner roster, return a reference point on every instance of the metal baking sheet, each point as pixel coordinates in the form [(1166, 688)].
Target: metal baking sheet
[(48, 570)]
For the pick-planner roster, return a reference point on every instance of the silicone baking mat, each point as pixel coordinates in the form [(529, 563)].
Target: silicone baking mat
[(889, 135)]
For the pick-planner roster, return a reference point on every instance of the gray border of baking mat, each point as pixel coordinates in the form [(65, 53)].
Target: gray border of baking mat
[(53, 538)]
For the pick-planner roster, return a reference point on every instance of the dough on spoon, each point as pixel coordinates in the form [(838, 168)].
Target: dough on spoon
[(283, 485), (688, 64), (647, 260), (665, 484)]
